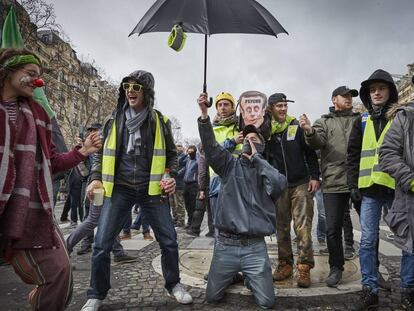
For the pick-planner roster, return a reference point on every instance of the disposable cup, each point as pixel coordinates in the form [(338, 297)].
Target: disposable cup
[(98, 197)]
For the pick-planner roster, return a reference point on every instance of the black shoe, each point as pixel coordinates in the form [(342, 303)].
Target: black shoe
[(210, 234), (368, 301), (382, 284), (349, 253), (125, 258), (334, 277), (238, 278), (192, 233), (407, 299), (84, 249)]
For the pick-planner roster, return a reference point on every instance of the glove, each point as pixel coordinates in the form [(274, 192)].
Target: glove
[(356, 196)]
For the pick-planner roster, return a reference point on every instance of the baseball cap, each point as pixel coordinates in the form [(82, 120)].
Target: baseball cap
[(278, 97), (94, 126), (252, 129), (342, 90)]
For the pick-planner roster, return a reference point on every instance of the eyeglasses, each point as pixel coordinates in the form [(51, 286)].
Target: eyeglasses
[(132, 86)]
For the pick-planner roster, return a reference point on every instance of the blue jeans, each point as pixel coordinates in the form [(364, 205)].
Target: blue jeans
[(252, 260), (321, 226), (407, 270), (113, 216), (368, 253)]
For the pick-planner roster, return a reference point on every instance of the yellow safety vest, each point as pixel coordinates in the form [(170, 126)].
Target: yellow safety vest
[(369, 170), (221, 133), (158, 159)]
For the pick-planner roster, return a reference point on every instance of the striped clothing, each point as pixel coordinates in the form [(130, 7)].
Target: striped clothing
[(12, 110)]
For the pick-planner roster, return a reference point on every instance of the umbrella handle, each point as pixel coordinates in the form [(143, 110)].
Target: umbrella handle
[(210, 101)]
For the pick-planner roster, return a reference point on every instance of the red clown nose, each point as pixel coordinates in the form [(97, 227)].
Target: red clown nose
[(38, 83)]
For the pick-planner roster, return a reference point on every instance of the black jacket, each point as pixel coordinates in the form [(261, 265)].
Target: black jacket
[(293, 158), (355, 139), (248, 188)]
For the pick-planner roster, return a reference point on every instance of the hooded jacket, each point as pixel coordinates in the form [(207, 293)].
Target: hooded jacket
[(396, 158), (248, 190), (379, 121), (148, 127)]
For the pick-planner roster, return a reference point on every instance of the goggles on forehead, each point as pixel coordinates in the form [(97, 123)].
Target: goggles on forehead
[(126, 86)]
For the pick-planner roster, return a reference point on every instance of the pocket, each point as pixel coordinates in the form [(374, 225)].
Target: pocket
[(220, 246)]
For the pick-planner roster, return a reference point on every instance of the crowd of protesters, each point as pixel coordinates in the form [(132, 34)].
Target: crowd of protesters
[(255, 173)]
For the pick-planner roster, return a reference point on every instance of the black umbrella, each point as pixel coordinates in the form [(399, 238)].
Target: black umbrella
[(209, 17)]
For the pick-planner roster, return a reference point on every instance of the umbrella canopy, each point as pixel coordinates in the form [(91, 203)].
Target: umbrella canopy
[(209, 17)]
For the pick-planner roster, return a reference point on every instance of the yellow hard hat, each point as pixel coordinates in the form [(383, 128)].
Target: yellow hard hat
[(227, 96)]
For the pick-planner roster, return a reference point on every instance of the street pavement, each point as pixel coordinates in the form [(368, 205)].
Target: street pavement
[(140, 286)]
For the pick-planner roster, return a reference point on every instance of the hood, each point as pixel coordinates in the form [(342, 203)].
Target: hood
[(142, 77), (379, 75), (398, 107)]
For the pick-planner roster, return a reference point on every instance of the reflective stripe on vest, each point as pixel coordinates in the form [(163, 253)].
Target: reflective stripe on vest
[(369, 170), (158, 158), (221, 133), (157, 165)]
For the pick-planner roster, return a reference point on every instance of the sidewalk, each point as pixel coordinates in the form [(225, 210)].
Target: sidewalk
[(140, 286)]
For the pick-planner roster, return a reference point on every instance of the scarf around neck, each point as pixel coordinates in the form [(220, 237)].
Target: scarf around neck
[(280, 127), (225, 121), (134, 121)]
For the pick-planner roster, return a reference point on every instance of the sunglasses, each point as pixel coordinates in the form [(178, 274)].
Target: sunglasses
[(132, 86)]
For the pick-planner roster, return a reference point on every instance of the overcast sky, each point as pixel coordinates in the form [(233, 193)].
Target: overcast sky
[(330, 43)]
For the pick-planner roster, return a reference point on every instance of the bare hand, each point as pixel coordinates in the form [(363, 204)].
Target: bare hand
[(238, 139), (313, 186), (305, 124), (95, 184), (168, 185), (91, 144), (203, 103), (254, 151), (201, 195)]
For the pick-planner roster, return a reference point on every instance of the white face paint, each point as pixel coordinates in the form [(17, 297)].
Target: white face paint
[(252, 110)]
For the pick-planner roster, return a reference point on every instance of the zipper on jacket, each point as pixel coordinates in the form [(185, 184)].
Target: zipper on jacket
[(283, 156)]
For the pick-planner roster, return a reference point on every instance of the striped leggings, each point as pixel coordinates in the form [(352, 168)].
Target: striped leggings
[(48, 269)]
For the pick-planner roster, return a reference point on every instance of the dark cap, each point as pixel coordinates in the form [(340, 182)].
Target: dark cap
[(252, 129), (342, 90), (94, 126), (278, 97)]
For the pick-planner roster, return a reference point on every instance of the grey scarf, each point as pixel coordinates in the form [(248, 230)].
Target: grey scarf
[(133, 123)]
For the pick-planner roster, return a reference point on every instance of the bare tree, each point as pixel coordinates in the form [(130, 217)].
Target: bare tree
[(191, 141), (176, 129)]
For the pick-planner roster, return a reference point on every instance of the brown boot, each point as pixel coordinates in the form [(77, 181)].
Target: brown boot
[(304, 275), (125, 235), (283, 272), (148, 236)]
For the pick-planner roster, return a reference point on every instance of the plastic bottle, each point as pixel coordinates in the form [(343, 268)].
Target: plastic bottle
[(164, 195)]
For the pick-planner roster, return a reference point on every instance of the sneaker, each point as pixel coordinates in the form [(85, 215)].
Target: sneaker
[(334, 277), (282, 272), (349, 253), (148, 236), (210, 234), (92, 305), (125, 235), (368, 301), (84, 249), (125, 259), (304, 279), (382, 283), (322, 242), (73, 224), (180, 294)]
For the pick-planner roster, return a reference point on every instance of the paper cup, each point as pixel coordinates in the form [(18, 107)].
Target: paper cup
[(98, 197)]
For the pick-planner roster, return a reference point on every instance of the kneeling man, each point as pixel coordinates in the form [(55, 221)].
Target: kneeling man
[(244, 214)]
